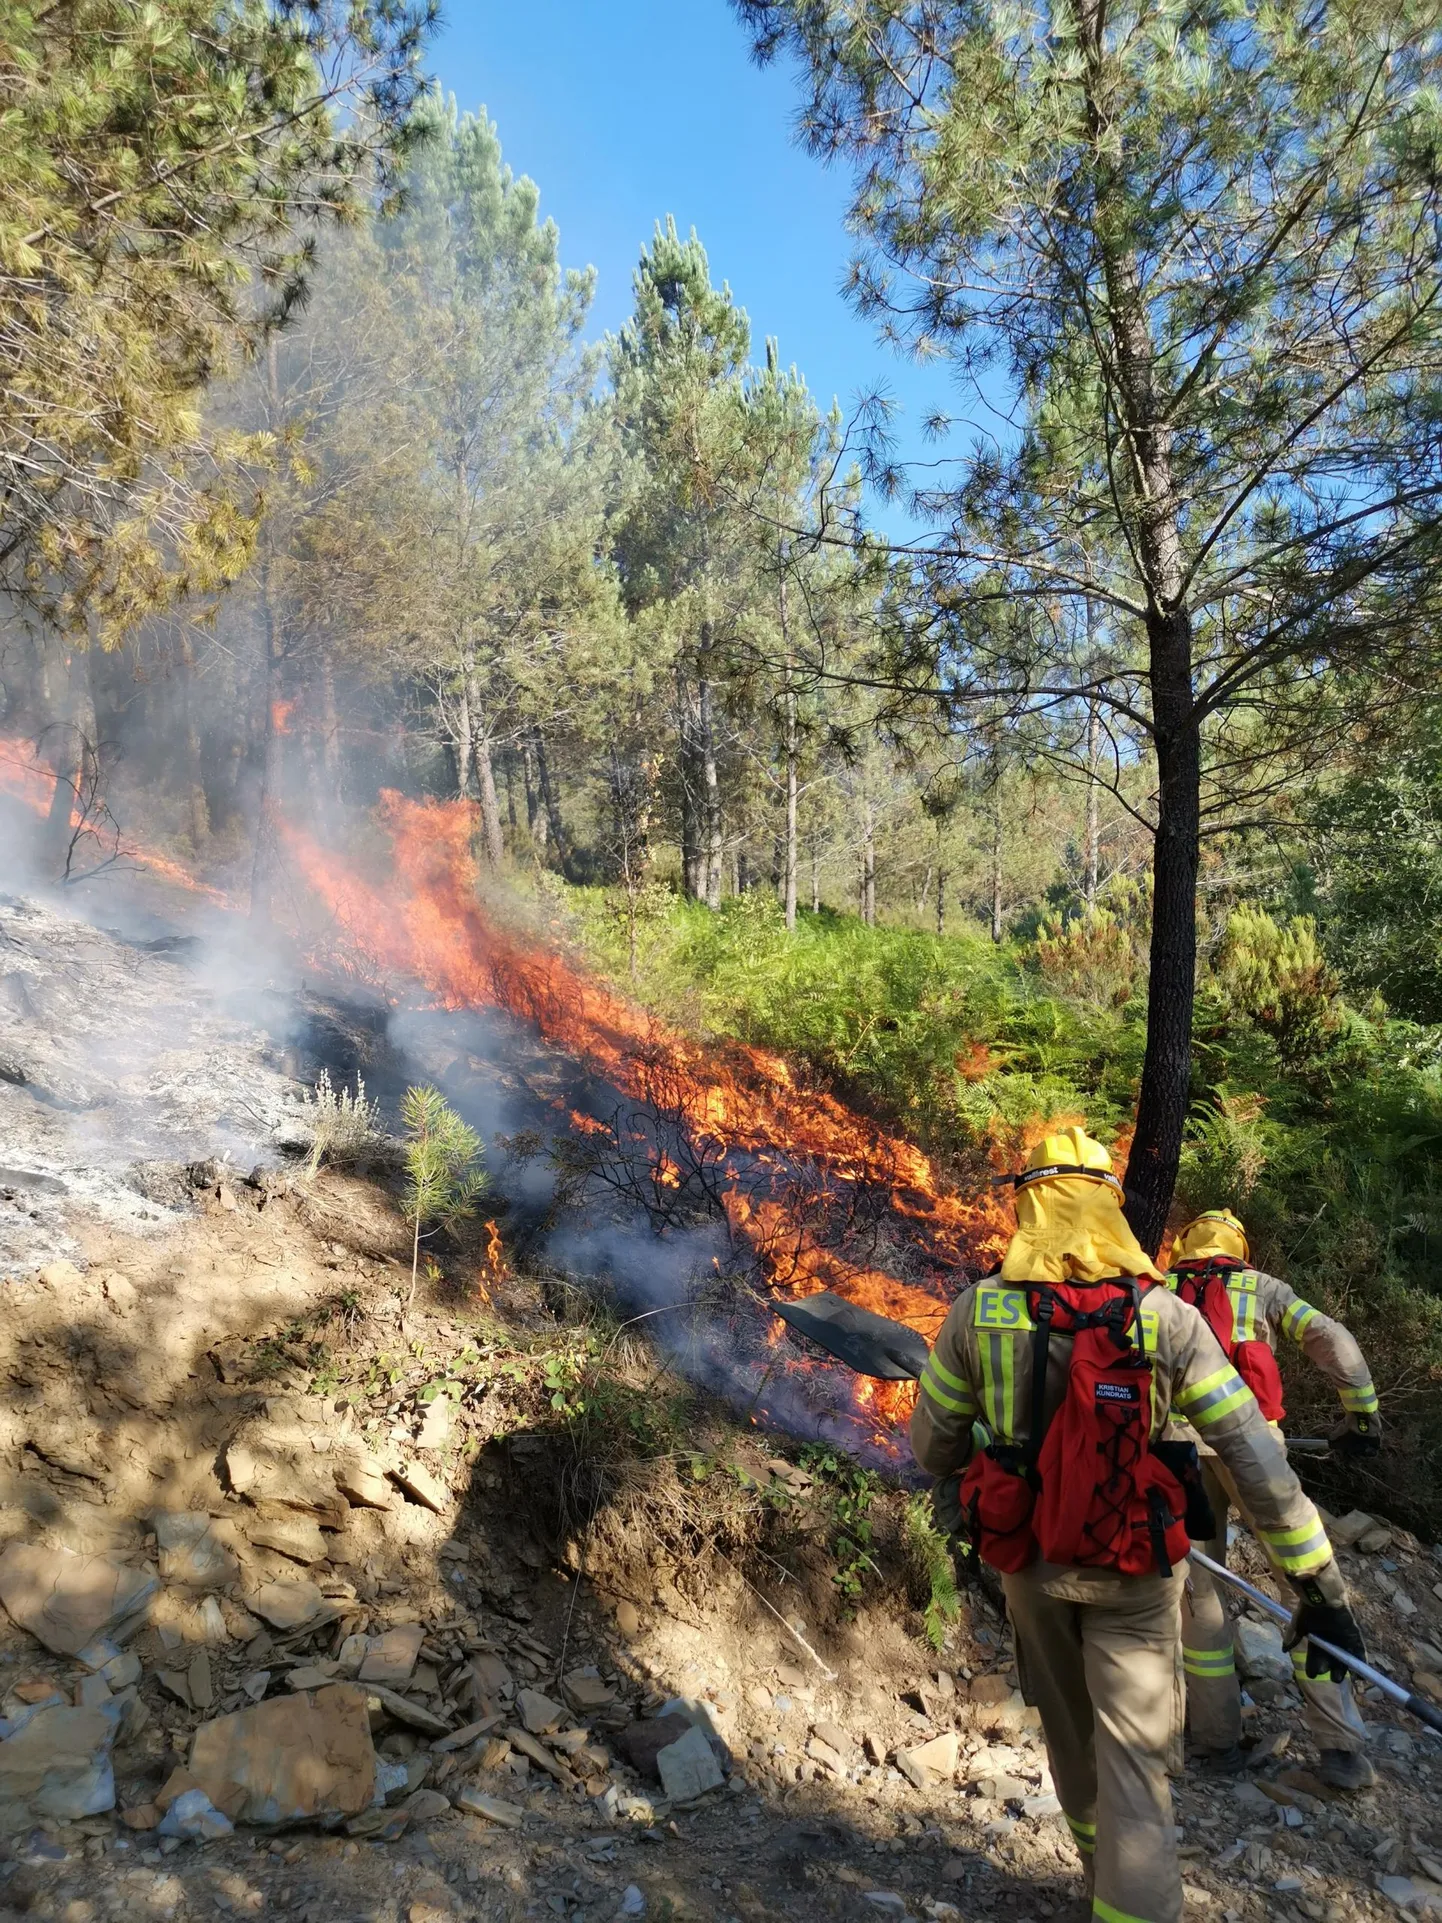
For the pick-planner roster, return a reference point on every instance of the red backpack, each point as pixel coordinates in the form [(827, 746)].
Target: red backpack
[(1203, 1283), (1090, 1488)]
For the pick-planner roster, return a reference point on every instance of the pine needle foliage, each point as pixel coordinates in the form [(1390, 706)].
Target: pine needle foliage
[(443, 1183)]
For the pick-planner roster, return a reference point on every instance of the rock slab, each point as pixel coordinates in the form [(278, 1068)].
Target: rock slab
[(58, 1765), (688, 1767), (291, 1759), (67, 1600)]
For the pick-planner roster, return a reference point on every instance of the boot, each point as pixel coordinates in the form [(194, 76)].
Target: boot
[(1346, 1769), (1224, 1762)]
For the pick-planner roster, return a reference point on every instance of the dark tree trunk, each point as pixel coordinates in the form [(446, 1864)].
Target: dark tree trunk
[(551, 801), (711, 845), (941, 901), (197, 804), (1172, 976), (868, 863)]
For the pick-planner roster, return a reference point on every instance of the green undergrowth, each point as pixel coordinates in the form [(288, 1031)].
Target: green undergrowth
[(1319, 1120)]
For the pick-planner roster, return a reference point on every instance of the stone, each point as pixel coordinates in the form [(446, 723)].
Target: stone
[(66, 1600), (362, 1480), (256, 1684), (287, 1605), (886, 1900), (836, 1737), (628, 1619), (490, 1675), (527, 1746), (425, 1805), (175, 1683), (1260, 1654), (298, 1537), (1348, 1530), (421, 1486), (390, 1658), (119, 1294), (292, 1759), (1250, 1799), (202, 1688), (435, 1430), (929, 1763), (92, 1693), (477, 1803), (390, 1702), (822, 1752), (1048, 1804), (58, 1763), (351, 1655), (122, 1671), (539, 1713), (463, 1738), (990, 1691), (586, 1691), (633, 1901), (1002, 1788), (642, 1742), (1409, 1894), (195, 1819), (688, 1767), (288, 1453), (60, 1275), (191, 1554), (312, 1676), (1376, 1540), (143, 1816)]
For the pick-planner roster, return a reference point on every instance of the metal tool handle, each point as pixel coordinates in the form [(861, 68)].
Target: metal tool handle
[(1424, 1711)]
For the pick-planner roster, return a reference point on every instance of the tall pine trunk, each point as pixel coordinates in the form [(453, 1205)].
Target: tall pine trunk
[(996, 854), (1093, 823), (868, 862), (1166, 1068), (790, 747), (711, 850), (197, 803), (551, 801)]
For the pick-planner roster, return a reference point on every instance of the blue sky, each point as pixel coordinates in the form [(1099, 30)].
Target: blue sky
[(623, 111)]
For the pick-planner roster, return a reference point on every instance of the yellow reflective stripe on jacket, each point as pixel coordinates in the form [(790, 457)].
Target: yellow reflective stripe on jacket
[(1299, 1551), (1359, 1402), (1299, 1664), (1208, 1662), (1242, 1294), (932, 1377), (1084, 1833), (1296, 1318), (1109, 1913), (998, 1384), (1215, 1396)]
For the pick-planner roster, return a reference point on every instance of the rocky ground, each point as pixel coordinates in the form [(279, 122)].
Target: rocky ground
[(316, 1609), (304, 1566)]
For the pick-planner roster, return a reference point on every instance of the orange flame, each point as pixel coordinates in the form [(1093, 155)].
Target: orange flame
[(28, 780), (280, 714), (428, 922)]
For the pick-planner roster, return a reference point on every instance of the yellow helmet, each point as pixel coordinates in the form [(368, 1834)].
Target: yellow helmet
[(1215, 1232), (1069, 1222), (1068, 1151)]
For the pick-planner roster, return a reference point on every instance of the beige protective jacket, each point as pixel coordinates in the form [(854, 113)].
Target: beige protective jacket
[(979, 1373), (1264, 1307)]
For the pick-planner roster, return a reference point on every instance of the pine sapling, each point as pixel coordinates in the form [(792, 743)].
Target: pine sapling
[(443, 1183)]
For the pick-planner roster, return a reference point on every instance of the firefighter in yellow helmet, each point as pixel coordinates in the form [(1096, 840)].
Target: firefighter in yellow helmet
[(1048, 1394), (1247, 1311)]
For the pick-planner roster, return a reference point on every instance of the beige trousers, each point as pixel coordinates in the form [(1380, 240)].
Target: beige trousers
[(1097, 1655), (1214, 1697)]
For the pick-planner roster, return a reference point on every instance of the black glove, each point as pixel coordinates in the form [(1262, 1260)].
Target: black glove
[(946, 1506), (1334, 1623), (1358, 1436)]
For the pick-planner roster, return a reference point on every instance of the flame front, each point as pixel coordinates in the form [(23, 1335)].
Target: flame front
[(428, 922)]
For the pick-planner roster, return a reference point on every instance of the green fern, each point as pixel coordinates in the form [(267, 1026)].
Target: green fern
[(929, 1553)]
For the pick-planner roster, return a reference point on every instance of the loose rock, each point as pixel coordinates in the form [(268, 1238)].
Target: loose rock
[(688, 1767), (67, 1600), (289, 1760), (390, 1658)]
